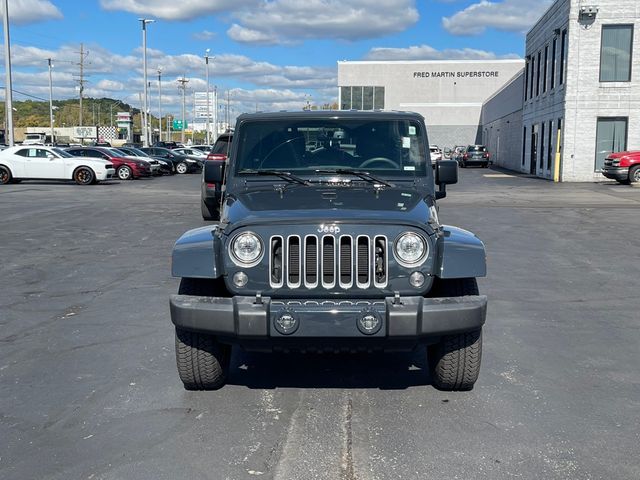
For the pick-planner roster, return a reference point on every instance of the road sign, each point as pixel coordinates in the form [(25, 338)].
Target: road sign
[(177, 125)]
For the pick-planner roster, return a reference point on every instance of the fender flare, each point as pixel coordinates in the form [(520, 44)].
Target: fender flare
[(460, 254), (198, 254)]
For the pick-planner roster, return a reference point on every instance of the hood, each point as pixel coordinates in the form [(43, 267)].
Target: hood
[(323, 203)]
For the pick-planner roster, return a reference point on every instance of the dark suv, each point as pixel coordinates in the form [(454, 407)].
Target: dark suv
[(475, 155), (339, 248)]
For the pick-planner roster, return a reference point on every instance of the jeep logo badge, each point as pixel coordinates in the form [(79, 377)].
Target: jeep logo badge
[(328, 229)]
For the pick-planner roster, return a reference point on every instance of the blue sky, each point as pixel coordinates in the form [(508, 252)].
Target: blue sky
[(274, 53)]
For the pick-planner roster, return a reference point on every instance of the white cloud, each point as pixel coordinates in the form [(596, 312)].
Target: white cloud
[(30, 11), (426, 52), (507, 15), (120, 77), (291, 21), (204, 35), (175, 10)]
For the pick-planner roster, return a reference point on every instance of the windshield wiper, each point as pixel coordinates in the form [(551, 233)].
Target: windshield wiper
[(358, 173), (277, 173)]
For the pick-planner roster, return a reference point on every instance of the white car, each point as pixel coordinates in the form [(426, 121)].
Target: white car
[(190, 152), (51, 163), (436, 154)]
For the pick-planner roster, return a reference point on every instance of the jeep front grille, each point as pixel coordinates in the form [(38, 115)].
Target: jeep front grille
[(328, 261)]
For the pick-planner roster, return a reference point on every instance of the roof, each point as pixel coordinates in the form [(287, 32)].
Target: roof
[(335, 114)]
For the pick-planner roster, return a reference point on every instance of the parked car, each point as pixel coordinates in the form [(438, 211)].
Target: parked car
[(165, 166), (126, 167), (457, 153), (27, 162), (153, 163), (34, 139), (169, 145), (623, 167), (181, 163), (475, 155), (211, 191), (190, 152), (351, 256), (203, 148), (435, 153), (221, 148)]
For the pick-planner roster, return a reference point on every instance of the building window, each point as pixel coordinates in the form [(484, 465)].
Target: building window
[(615, 53), (549, 145), (345, 98), (362, 98), (524, 143), (538, 73), (526, 80), (563, 57), (533, 67), (544, 76), (378, 98), (533, 158), (542, 149), (611, 136), (552, 80)]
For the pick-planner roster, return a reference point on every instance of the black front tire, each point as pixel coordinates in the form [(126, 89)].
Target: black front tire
[(5, 175), (634, 174), (84, 176), (124, 173), (454, 362), (203, 362)]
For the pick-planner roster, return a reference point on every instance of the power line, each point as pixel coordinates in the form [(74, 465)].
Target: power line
[(26, 94)]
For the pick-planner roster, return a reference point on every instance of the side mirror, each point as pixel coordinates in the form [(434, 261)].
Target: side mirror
[(50, 156), (214, 171), (446, 174)]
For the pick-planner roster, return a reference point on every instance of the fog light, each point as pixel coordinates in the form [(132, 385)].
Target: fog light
[(369, 323), (240, 279), (286, 323), (416, 279)]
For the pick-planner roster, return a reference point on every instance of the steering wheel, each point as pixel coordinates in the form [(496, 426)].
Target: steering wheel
[(388, 161)]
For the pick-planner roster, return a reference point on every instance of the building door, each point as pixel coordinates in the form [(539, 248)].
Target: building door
[(611, 136), (533, 163)]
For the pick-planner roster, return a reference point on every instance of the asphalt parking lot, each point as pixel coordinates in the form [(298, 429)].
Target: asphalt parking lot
[(89, 389)]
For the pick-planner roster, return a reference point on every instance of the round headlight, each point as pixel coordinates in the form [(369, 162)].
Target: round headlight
[(411, 248), (246, 248)]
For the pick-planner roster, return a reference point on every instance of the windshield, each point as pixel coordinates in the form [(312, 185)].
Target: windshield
[(222, 145), (62, 153), (384, 147)]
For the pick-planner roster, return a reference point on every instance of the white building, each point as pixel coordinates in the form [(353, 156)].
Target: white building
[(449, 94), (580, 96)]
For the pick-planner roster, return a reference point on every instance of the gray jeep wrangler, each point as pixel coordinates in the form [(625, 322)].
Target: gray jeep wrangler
[(329, 240)]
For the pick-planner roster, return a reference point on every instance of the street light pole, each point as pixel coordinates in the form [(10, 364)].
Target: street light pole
[(160, 103), (8, 87), (144, 22), (183, 86), (206, 58), (53, 141)]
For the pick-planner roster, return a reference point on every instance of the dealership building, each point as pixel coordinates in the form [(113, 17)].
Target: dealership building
[(449, 94), (556, 114)]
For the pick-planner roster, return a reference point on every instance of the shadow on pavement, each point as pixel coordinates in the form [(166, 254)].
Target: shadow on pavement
[(385, 371)]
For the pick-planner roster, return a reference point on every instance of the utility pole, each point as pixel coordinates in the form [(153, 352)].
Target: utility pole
[(206, 59), (215, 113), (228, 103), (183, 86), (145, 139), (81, 80), (8, 88), (160, 103), (53, 141)]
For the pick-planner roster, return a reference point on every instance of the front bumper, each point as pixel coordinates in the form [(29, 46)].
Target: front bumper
[(616, 173), (254, 318)]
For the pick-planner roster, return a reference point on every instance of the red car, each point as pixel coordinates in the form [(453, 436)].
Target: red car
[(126, 167), (623, 167)]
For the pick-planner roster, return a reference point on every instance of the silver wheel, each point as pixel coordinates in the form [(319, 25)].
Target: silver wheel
[(634, 174), (181, 168), (124, 173)]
